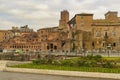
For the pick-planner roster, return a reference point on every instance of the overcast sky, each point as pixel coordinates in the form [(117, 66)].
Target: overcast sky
[(46, 13)]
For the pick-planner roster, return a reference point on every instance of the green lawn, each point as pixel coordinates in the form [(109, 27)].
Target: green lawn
[(112, 58), (68, 68), (86, 64)]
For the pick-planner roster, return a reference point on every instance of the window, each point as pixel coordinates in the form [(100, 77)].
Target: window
[(47, 47), (103, 44), (4, 38), (55, 47), (82, 23), (82, 17), (51, 45), (98, 34), (93, 44), (5, 33), (114, 44), (106, 34), (41, 32), (114, 33)]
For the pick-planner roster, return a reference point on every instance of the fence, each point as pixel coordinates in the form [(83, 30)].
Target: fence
[(38, 55)]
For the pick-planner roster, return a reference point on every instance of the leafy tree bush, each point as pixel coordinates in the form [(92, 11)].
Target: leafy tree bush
[(93, 63), (41, 61), (36, 62), (89, 57), (50, 61), (67, 63), (56, 62), (87, 61), (108, 64), (81, 63), (98, 57)]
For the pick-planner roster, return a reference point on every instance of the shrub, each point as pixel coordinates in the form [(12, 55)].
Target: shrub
[(81, 63), (49, 61), (89, 57), (108, 64), (56, 62), (97, 57), (93, 63), (37, 62), (67, 63)]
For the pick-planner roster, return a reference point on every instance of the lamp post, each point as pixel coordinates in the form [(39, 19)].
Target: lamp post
[(92, 41), (49, 54), (66, 54), (83, 52), (109, 49), (105, 40)]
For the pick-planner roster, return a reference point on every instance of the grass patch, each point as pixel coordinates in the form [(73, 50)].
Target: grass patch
[(68, 68), (112, 58), (86, 64)]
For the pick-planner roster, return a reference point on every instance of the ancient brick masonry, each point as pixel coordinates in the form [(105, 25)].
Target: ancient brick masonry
[(95, 34), (82, 32)]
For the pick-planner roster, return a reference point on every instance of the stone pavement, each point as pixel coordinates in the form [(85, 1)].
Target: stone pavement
[(66, 73), (5, 63), (27, 76), (2, 65)]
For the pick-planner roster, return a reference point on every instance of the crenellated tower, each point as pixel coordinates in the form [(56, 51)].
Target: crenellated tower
[(64, 18)]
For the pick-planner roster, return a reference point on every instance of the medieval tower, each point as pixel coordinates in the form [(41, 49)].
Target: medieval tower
[(64, 19)]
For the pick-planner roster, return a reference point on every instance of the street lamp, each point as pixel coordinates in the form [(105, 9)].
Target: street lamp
[(66, 54), (105, 40), (83, 51), (109, 49), (92, 41)]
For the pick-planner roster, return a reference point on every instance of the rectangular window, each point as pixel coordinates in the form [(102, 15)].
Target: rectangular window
[(114, 44), (98, 34), (103, 44), (106, 34), (82, 17), (82, 24), (114, 33), (41, 32)]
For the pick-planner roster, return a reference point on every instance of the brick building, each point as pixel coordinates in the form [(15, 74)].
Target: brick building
[(64, 18), (25, 42), (52, 39), (18, 38), (82, 32), (5, 35), (45, 39), (95, 34)]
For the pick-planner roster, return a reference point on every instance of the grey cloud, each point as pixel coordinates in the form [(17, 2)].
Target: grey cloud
[(42, 13)]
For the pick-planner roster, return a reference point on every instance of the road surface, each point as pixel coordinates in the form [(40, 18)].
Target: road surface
[(27, 76)]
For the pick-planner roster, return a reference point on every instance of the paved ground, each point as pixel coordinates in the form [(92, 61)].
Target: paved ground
[(26, 76)]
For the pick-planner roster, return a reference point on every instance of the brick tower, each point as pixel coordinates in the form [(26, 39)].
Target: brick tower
[(111, 16), (64, 19)]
